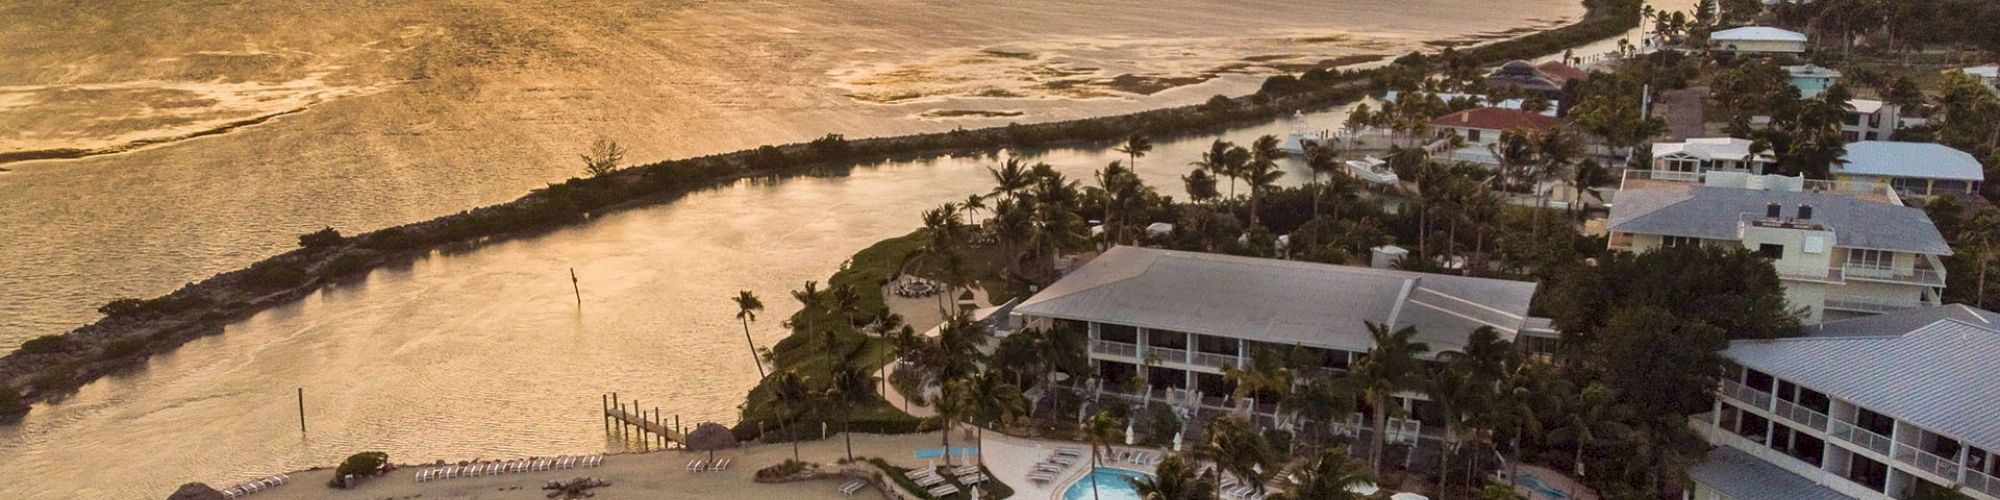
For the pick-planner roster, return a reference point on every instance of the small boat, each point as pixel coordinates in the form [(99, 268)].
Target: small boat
[(1295, 144), (1373, 170)]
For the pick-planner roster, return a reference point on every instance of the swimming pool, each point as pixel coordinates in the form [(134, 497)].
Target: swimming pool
[(1112, 484), (1536, 484)]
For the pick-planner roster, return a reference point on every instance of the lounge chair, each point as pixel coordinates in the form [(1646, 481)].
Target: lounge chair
[(942, 490), (1048, 467), (928, 481), (974, 478), (698, 465), (1125, 456), (719, 465), (1074, 452)]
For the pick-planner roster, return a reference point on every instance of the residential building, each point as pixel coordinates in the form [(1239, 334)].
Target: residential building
[(1479, 100), (1867, 408), (1871, 120), (1758, 40), (1176, 320), (1812, 79), (1697, 156), (1481, 127), (1547, 78), (1986, 74), (1913, 169), (1841, 252)]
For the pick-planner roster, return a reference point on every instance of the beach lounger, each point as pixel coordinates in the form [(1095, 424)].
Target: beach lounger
[(853, 487), (973, 478), (942, 490), (720, 465), (1074, 452), (928, 481), (1125, 456), (1048, 467), (697, 465)]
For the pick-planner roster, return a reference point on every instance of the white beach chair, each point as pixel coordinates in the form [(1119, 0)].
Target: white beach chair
[(697, 465), (853, 487), (943, 489), (596, 460)]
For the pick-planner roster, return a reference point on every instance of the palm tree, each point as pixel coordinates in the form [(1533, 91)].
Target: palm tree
[(1588, 418), (1217, 162), (1322, 158), (1390, 367), (1122, 191), (1174, 479), (812, 304), (1515, 150), (1557, 151), (1010, 178), (1328, 477), (1266, 374), (1135, 147), (1241, 450), (791, 392), (994, 402), (851, 389), (1262, 170), (1102, 428), (747, 306)]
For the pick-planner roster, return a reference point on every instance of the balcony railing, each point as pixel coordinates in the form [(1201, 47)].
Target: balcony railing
[(1942, 467), (1864, 437), (1166, 355), (1925, 277), (1214, 360), (1980, 482), (1827, 276), (1874, 306), (1737, 391), (1803, 415), (1109, 348)]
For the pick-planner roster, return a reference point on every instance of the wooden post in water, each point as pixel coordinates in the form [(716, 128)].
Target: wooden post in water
[(604, 407), (302, 410), (575, 287)]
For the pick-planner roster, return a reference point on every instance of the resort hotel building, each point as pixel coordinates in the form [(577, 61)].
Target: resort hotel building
[(1869, 408), (1841, 252), (1178, 319)]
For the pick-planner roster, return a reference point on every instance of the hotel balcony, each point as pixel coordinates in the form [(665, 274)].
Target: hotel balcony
[(1737, 391), (1980, 482), (1864, 437), (1831, 276), (1118, 349), (1924, 461), (1923, 277), (1808, 416)]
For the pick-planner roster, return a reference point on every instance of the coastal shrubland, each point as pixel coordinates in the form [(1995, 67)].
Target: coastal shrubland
[(202, 308), (359, 466)]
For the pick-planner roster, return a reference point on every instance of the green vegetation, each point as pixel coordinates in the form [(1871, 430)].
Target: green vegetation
[(11, 404), (321, 239), (46, 344), (359, 466), (993, 488)]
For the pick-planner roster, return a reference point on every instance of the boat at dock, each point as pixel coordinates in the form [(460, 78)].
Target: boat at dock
[(1373, 170)]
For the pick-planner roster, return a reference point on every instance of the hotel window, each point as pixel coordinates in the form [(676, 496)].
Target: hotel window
[(1679, 241), (1872, 259)]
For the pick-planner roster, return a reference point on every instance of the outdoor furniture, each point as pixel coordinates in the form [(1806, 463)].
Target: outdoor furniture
[(852, 487), (973, 478), (1048, 467), (720, 465), (697, 465), (927, 481), (942, 490), (596, 460)]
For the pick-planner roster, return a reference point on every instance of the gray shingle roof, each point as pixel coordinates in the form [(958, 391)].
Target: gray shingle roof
[(1279, 301), (1711, 212), (1740, 476), (1919, 160), (1941, 375)]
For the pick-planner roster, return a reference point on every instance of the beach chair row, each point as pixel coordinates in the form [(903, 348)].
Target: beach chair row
[(507, 467), (928, 478), (853, 487), (1050, 468), (1140, 457), (703, 465), (1231, 488), (256, 486)]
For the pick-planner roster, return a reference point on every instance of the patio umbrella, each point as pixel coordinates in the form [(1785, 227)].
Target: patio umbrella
[(1408, 496), (1128, 433), (1177, 442), (1363, 489)]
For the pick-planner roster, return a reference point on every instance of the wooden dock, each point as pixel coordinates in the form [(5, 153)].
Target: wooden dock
[(632, 419)]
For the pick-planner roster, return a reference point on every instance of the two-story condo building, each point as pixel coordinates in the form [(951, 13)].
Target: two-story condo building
[(1177, 319), (1870, 408), (1916, 169), (1758, 40), (1871, 120), (1840, 253)]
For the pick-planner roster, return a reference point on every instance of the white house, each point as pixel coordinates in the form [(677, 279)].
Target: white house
[(1758, 40), (1872, 408), (1917, 169), (1871, 120), (1174, 320), (1840, 253), (1698, 156), (1481, 127)]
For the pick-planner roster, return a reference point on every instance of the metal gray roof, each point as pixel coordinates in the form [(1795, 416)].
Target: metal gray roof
[(1757, 33), (1905, 320), (1711, 212), (1941, 376), (1739, 476), (1920, 160), (1279, 301)]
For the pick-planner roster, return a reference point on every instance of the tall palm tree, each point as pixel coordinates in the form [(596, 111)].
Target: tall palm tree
[(812, 305), (1557, 150), (1010, 179), (1135, 147), (1122, 191), (1327, 477), (1265, 374), (851, 389), (1262, 171), (994, 402), (1237, 448), (791, 392), (1174, 478), (1216, 162), (1322, 158), (1102, 428), (1389, 368), (1589, 418), (747, 306)]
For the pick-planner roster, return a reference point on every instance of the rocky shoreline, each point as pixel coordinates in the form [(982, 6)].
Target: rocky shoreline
[(49, 367)]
